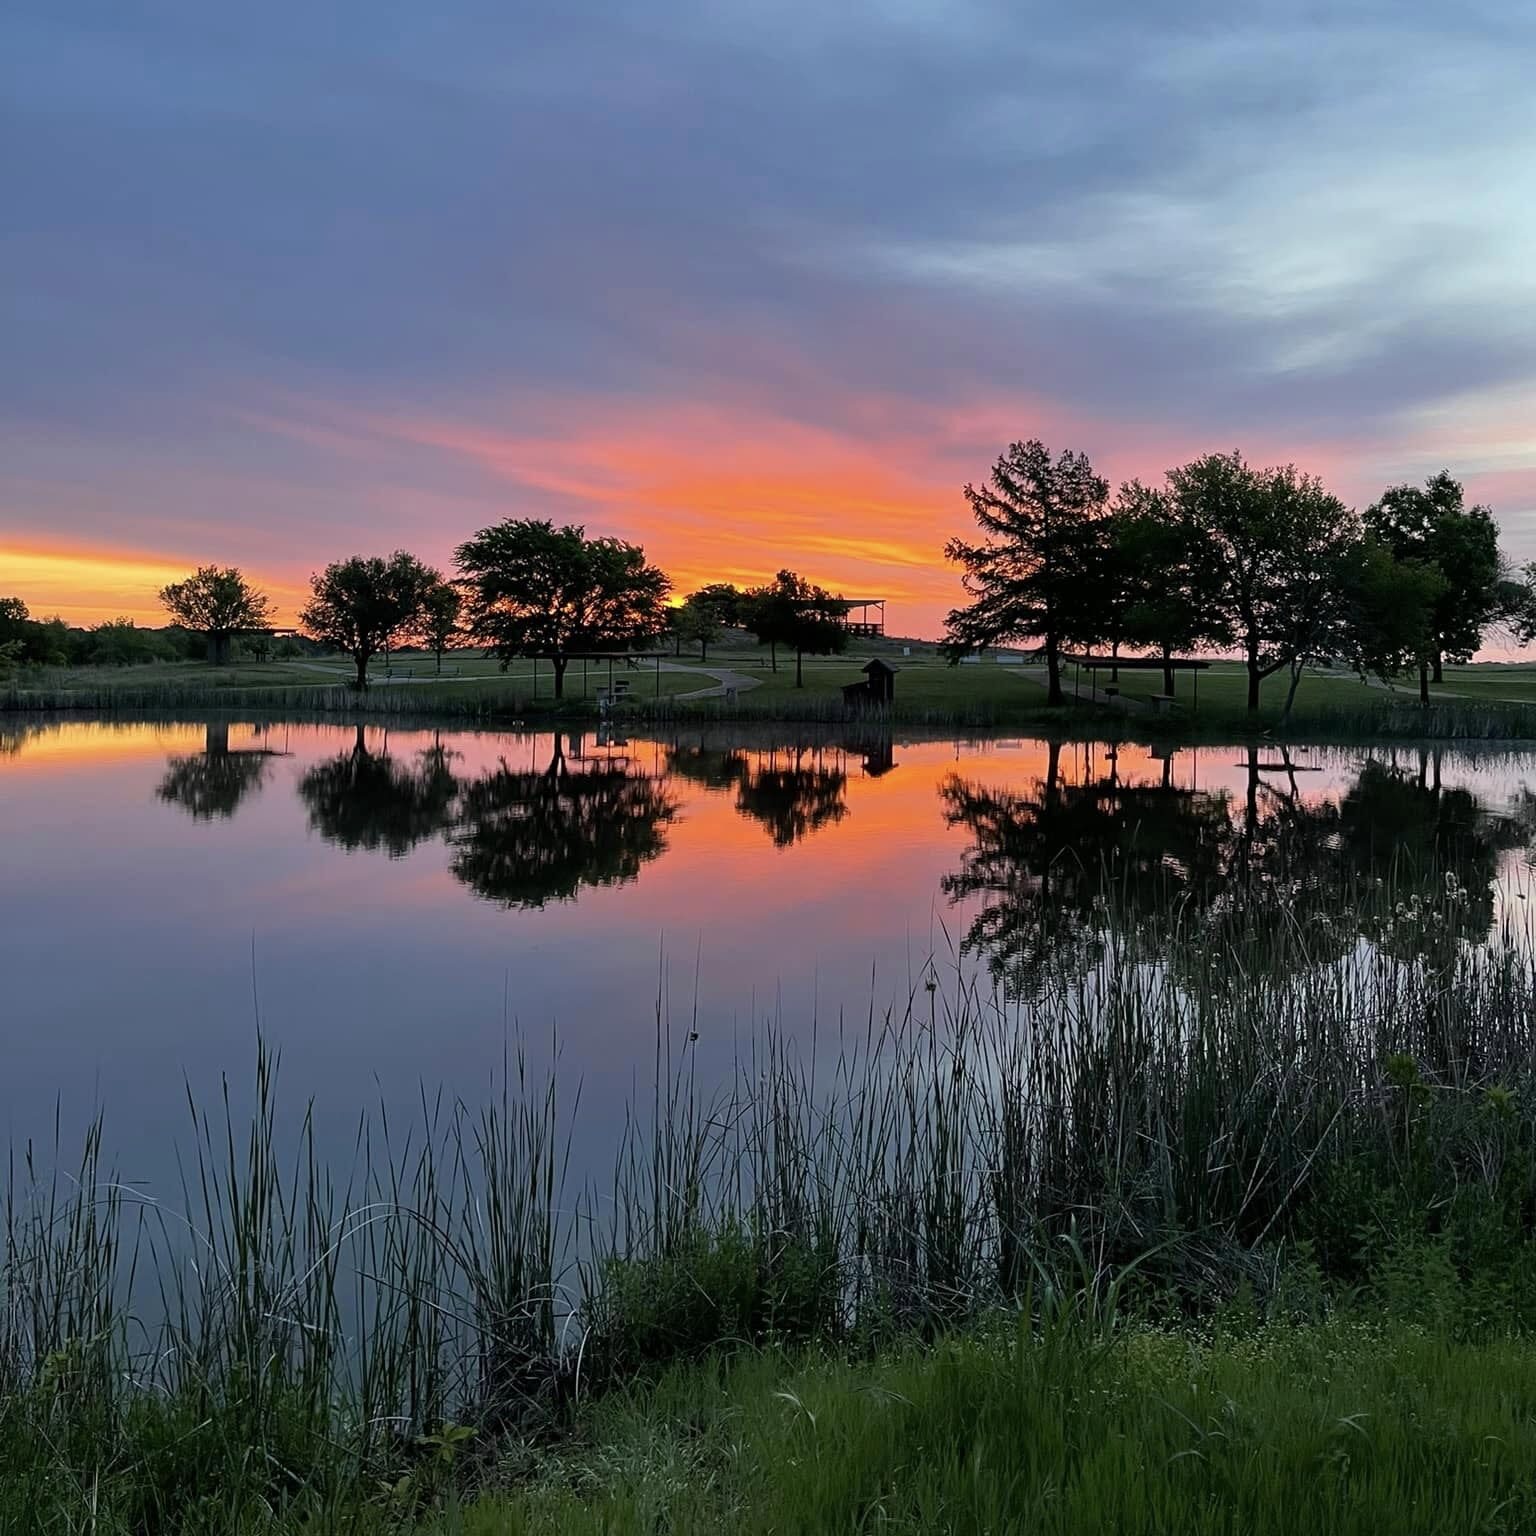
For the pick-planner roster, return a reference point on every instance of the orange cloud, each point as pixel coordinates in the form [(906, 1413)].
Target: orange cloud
[(726, 490)]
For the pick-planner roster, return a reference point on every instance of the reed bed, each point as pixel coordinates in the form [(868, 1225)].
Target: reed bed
[(277, 1335)]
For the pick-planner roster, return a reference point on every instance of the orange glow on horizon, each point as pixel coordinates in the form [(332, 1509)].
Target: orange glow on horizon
[(713, 491), (90, 587)]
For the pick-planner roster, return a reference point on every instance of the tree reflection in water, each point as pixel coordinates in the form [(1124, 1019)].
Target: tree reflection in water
[(1063, 869), (791, 792), (524, 838), (212, 785), (374, 802)]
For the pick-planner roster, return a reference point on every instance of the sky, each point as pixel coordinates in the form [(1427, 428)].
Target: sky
[(752, 284)]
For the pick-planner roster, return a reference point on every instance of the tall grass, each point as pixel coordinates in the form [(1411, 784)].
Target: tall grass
[(278, 1335)]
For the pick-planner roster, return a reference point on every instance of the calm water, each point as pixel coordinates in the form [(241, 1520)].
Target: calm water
[(396, 906)]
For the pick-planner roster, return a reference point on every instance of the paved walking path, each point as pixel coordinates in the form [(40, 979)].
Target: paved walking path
[(726, 681)]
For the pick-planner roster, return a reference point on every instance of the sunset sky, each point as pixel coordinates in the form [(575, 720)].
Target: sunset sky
[(750, 283)]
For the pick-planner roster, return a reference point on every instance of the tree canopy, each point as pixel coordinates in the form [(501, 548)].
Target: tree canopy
[(797, 614), (1431, 526), (1274, 543), (217, 602), (438, 625), (1030, 577), (702, 616), (367, 604), (540, 591)]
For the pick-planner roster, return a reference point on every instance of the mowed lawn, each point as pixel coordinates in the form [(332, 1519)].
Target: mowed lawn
[(413, 676), (1222, 689)]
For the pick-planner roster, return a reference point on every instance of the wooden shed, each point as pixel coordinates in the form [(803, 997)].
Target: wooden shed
[(878, 687)]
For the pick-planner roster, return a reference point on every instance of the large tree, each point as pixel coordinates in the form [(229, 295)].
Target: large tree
[(1433, 526), (1271, 542), (1167, 607), (1391, 604), (438, 626), (795, 613), (1030, 578), (367, 604), (219, 603), (701, 617), (541, 591)]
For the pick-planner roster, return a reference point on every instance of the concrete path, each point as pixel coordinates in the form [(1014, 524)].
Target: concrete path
[(726, 681)]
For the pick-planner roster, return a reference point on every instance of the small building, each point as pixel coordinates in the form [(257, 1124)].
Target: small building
[(871, 616), (878, 687)]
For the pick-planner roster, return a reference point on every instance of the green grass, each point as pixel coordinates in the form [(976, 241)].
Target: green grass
[(1358, 1425), (1496, 702)]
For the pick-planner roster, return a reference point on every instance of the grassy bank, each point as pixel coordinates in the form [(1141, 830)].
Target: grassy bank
[(1361, 1424), (1256, 1126), (1475, 703)]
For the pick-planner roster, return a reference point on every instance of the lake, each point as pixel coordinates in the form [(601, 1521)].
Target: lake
[(398, 908)]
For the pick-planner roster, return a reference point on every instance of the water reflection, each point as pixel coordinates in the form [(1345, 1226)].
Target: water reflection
[(791, 792), (373, 801), (1056, 871), (527, 837), (213, 784)]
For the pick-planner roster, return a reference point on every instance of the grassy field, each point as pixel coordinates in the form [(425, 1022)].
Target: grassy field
[(1492, 701)]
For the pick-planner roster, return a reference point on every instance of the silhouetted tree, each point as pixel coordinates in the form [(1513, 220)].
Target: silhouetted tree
[(366, 605), (540, 591), (1030, 578), (219, 603), (703, 615), (1433, 527), (1392, 603), (1273, 541), (795, 613), (1168, 605), (439, 622)]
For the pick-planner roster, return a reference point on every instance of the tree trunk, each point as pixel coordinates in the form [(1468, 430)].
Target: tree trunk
[(218, 650), (1437, 671), (799, 675), (773, 654), (1254, 680), (1423, 682), (362, 658), (439, 654), (559, 665), (703, 650), (1114, 658), (1053, 694), (1290, 697), (1168, 671)]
